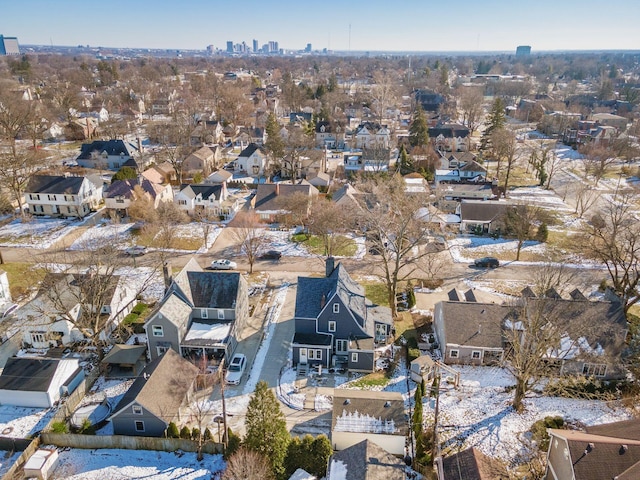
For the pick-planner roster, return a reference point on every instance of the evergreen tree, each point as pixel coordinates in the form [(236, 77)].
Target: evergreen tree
[(274, 144), (308, 453), (405, 162), (172, 431), (185, 433), (233, 444), (320, 452), (125, 173), (419, 130), (495, 121), (266, 428)]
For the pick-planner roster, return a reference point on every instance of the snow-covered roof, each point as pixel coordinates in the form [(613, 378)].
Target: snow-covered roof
[(216, 333)]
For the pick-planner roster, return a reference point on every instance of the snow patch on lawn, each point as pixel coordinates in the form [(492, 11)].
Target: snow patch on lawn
[(21, 422), (103, 234), (40, 233), (111, 464)]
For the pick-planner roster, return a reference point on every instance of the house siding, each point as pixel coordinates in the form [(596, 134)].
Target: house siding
[(394, 444), (124, 423), (364, 362), (558, 466), (170, 331), (325, 355)]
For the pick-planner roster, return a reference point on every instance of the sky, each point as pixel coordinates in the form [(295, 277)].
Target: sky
[(354, 25)]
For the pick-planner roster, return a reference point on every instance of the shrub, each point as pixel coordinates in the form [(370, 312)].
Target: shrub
[(411, 296), (140, 308), (207, 435), (87, 428), (539, 430), (195, 433), (603, 285), (130, 318), (233, 444), (185, 433), (543, 233), (172, 431), (59, 427), (413, 354)]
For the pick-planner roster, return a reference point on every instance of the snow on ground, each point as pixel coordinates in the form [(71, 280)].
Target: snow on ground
[(103, 234), (540, 197), (287, 393), (21, 422), (280, 240), (110, 464), (479, 414), (40, 233), (564, 152), (7, 459)]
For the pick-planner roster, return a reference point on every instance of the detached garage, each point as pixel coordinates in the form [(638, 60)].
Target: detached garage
[(38, 382)]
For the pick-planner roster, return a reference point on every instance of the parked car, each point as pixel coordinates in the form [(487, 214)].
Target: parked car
[(270, 255), (136, 250), (487, 262), (223, 264), (236, 369)]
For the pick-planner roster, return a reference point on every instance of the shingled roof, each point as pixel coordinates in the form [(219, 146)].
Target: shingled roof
[(162, 386), (383, 406), (365, 461), (59, 184), (471, 464)]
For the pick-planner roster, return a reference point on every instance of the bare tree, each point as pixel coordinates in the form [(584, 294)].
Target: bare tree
[(174, 141), (597, 161), (586, 197), (383, 91), (471, 100), (250, 235), (505, 148), (520, 222), (248, 464), (330, 223), (18, 167), (393, 227), (613, 237), (295, 207)]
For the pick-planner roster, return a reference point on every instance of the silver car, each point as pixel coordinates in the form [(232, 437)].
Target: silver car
[(236, 369)]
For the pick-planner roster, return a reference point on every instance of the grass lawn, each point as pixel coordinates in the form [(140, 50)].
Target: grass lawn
[(344, 247), (377, 293), (404, 326), (22, 277), (373, 380), (149, 238)]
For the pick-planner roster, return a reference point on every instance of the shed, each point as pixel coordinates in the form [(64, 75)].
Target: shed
[(423, 367)]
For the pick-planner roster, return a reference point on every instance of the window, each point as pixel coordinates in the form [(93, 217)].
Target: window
[(454, 353), (139, 426), (161, 349), (38, 337), (332, 326), (51, 198), (341, 345), (119, 200), (204, 313), (35, 197), (157, 330), (137, 410), (220, 314), (381, 332), (594, 369), (336, 308), (354, 357), (182, 202), (476, 354), (315, 354)]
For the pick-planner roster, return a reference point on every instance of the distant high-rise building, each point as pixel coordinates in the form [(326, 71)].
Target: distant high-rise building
[(308, 48), (255, 46), (9, 45), (523, 50), (273, 46), (229, 46)]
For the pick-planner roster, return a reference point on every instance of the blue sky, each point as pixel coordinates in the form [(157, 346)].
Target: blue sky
[(401, 25)]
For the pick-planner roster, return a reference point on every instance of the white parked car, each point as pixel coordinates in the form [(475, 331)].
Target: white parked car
[(223, 264), (136, 250), (236, 369)]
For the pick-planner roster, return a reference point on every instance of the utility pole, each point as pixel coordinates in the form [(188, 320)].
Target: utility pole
[(436, 446), (225, 438)]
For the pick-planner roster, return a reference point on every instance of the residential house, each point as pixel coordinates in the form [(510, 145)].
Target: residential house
[(200, 316), (207, 199), (121, 193), (371, 135), (38, 382), (329, 136), (450, 137), (249, 135), (205, 159), (207, 132), (378, 417), (164, 103), (416, 184), (252, 160), (459, 169), (270, 201), (166, 170), (347, 196), (64, 196), (321, 179), (610, 450), (471, 464), (479, 216), (125, 361), (219, 177), (610, 120), (365, 461), (429, 100), (335, 324), (474, 333), (108, 154), (159, 396), (99, 112), (51, 318), (81, 129)]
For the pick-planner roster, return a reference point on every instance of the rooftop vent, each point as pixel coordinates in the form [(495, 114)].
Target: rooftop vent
[(347, 402), (623, 449), (387, 404)]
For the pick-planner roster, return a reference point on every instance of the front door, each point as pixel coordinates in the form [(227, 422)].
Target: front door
[(303, 356)]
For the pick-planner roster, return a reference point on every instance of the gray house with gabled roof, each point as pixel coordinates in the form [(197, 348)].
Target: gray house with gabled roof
[(335, 324), (108, 154), (200, 316), (156, 398)]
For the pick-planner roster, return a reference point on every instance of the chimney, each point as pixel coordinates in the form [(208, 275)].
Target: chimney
[(329, 266), (277, 189)]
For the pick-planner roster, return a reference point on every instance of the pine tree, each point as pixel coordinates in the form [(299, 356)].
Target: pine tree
[(172, 431), (185, 433), (266, 427), (320, 452), (495, 121), (419, 130), (405, 162), (274, 143)]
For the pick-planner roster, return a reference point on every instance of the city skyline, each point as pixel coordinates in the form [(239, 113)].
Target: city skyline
[(493, 25)]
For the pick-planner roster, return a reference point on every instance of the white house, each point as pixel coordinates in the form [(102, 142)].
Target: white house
[(109, 154), (63, 196), (204, 197), (252, 160), (372, 135)]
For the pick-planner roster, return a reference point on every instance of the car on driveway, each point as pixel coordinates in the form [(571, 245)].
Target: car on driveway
[(136, 250), (223, 264), (235, 369), (270, 255), (487, 262)]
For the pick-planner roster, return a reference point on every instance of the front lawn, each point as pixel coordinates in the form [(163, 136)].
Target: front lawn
[(377, 293), (344, 246), (22, 277)]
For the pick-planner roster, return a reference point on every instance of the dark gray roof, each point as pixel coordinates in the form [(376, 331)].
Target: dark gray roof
[(28, 374), (624, 429), (482, 211), (251, 148), (214, 289), (124, 354), (206, 190), (112, 147), (320, 339), (162, 386), (367, 461), (125, 188), (449, 130), (474, 324), (268, 193), (53, 184)]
